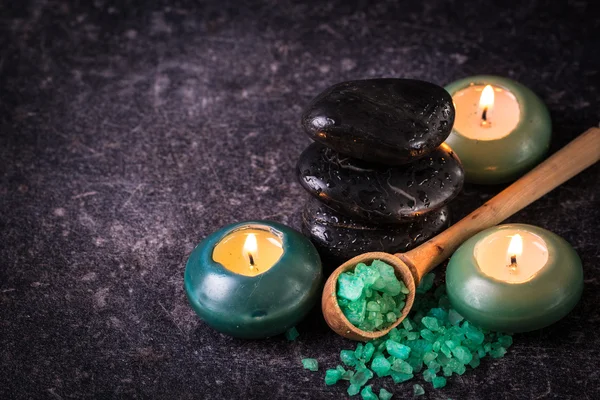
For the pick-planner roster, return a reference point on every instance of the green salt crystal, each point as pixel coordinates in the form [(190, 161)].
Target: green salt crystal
[(397, 350), (455, 366), (395, 335), (311, 364), (498, 352), (412, 336), (391, 317), (392, 286), (407, 324), (359, 351), (426, 283), (446, 350), (384, 394), (454, 317), (447, 371), (348, 375), (403, 288), (481, 352), (415, 363), (454, 331), (367, 353), (353, 389), (379, 284), (442, 359), (332, 376), (367, 393), (418, 390), (361, 376), (505, 340), (349, 286), (373, 306), (428, 375), (458, 338), (429, 356), (462, 354), (366, 273), (434, 366), (439, 313), (348, 357), (487, 347), (402, 366), (419, 347), (388, 302), (438, 382), (451, 344), (385, 270), (475, 336), (436, 346), (428, 335), (381, 366), (399, 377), (475, 361), (356, 311), (291, 334)]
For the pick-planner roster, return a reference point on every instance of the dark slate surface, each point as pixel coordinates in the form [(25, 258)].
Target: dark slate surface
[(130, 130)]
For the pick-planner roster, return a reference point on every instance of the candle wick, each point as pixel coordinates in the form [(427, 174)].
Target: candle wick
[(484, 118), (251, 259), (513, 263)]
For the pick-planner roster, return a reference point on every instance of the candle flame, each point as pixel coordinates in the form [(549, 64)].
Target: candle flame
[(486, 105), (515, 248), (250, 248), (487, 97)]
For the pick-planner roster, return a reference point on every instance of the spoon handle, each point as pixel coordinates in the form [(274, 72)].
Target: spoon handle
[(581, 153)]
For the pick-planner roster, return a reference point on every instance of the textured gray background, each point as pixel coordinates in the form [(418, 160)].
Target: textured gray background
[(131, 130)]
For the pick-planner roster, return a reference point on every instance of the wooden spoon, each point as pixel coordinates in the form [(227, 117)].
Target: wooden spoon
[(411, 266)]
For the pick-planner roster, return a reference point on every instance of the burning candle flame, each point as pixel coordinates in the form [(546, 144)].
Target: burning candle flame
[(515, 248), (486, 105), (250, 248)]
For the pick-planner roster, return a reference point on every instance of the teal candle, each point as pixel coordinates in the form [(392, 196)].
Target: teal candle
[(514, 278), (501, 131), (253, 279)]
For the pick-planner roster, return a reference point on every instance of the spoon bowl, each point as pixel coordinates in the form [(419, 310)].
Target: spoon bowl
[(332, 312)]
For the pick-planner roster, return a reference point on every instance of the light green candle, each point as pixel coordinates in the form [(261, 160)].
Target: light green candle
[(514, 278), (501, 129)]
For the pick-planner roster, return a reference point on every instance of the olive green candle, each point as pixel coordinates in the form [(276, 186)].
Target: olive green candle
[(501, 129), (253, 279), (514, 278)]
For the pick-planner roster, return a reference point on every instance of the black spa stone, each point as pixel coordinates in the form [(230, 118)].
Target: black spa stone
[(380, 193), (390, 121), (339, 238)]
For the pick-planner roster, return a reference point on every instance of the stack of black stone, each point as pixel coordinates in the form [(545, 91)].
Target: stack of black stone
[(379, 173)]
